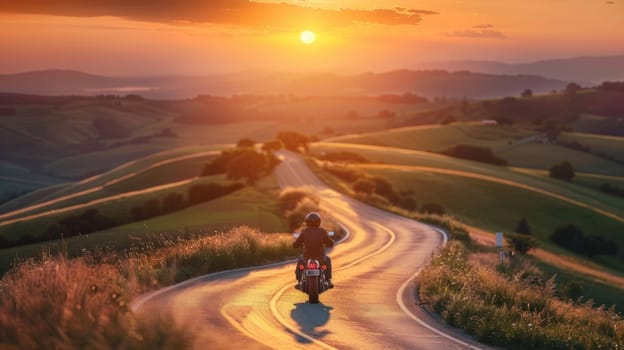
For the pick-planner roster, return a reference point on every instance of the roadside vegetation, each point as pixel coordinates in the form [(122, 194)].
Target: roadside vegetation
[(514, 305), (57, 302)]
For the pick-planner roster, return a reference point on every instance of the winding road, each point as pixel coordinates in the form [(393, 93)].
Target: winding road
[(372, 306)]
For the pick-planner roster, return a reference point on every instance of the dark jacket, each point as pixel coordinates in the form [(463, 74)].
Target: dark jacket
[(314, 240)]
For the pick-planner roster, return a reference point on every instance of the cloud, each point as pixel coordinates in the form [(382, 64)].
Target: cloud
[(244, 13), (610, 2), (483, 26), (478, 33)]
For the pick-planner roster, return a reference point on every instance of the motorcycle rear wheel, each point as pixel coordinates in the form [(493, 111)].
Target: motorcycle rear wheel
[(313, 290)]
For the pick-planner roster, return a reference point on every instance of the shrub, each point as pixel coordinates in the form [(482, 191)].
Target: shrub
[(290, 197), (562, 171), (384, 188), (475, 153), (573, 238), (521, 243), (364, 186), (408, 203), (343, 156), (296, 216), (432, 208), (343, 172), (89, 221)]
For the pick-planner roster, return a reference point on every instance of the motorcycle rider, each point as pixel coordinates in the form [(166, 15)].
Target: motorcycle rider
[(314, 239)]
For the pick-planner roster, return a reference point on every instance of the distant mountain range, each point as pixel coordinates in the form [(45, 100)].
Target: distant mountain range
[(584, 70), (424, 83)]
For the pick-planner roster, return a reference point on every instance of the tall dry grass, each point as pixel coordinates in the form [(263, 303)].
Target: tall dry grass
[(82, 303), (513, 307)]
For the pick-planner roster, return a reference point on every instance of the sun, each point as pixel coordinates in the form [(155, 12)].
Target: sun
[(307, 37)]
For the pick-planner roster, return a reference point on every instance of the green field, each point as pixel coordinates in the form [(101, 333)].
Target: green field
[(396, 156), (505, 142), (496, 207), (239, 208), (438, 138), (119, 208), (610, 145)]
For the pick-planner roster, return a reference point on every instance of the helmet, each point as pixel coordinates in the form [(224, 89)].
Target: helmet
[(313, 219)]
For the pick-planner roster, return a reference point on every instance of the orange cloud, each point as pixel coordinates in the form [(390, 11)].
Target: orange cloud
[(242, 13), (478, 32)]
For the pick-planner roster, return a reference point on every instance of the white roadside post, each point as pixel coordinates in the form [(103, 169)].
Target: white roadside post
[(499, 244)]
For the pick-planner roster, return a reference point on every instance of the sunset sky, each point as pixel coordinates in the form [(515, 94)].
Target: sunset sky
[(140, 37)]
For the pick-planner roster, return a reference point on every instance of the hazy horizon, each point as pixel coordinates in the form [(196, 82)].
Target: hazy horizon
[(191, 37)]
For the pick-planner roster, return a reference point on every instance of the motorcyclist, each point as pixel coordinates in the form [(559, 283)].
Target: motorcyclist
[(314, 239)]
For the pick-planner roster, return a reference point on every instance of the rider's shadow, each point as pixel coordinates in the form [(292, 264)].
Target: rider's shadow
[(311, 316)]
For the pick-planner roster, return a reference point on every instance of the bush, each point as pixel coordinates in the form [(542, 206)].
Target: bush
[(344, 173), (384, 188), (290, 197), (475, 153), (562, 171), (432, 208), (364, 186), (408, 203), (296, 216), (89, 221), (521, 243), (573, 238)]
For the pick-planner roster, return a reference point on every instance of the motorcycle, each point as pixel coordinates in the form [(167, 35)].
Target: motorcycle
[(312, 281)]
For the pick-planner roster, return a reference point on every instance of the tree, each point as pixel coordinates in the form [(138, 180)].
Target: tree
[(570, 237), (527, 93), (249, 165), (272, 146), (522, 243), (572, 89), (523, 227), (246, 143), (562, 171), (293, 141), (173, 202)]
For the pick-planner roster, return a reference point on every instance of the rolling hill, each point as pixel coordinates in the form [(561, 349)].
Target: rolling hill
[(590, 70), (425, 83)]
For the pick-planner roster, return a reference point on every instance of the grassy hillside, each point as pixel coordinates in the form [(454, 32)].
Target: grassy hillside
[(396, 156), (510, 143), (438, 138), (494, 198), (238, 208), (609, 145)]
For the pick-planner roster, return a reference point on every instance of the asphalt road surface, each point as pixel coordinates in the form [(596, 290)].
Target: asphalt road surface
[(371, 307)]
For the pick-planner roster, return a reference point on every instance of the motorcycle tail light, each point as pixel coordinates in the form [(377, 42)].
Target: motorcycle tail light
[(312, 265), (324, 267), (301, 267)]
